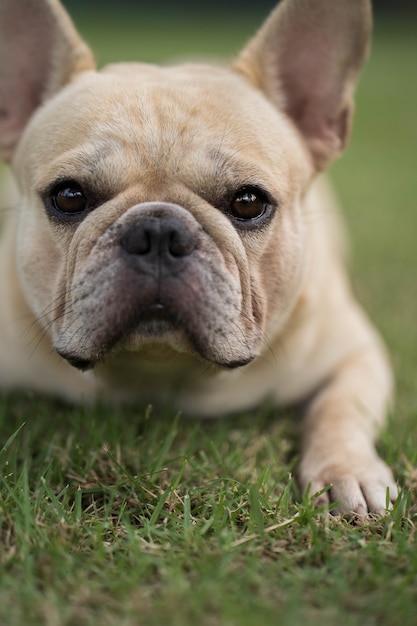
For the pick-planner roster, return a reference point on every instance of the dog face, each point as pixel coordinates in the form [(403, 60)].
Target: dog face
[(161, 208), (160, 202)]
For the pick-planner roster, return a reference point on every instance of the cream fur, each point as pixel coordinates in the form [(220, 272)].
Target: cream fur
[(169, 144)]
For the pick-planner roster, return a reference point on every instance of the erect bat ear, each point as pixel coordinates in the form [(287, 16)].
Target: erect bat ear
[(40, 52), (306, 58)]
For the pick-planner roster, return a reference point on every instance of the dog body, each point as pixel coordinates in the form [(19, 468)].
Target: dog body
[(173, 243)]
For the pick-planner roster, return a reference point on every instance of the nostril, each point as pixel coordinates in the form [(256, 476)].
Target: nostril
[(158, 237), (180, 242), (138, 240)]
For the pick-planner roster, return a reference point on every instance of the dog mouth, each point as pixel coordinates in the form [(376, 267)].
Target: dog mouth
[(155, 321), (154, 327), (156, 324)]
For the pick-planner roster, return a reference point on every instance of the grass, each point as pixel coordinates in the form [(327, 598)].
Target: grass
[(122, 518), (126, 517)]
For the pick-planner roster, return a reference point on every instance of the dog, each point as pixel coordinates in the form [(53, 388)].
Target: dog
[(173, 239)]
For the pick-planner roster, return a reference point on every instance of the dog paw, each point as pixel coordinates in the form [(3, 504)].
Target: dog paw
[(357, 488)]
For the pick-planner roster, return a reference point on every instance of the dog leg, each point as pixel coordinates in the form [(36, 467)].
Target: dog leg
[(338, 438)]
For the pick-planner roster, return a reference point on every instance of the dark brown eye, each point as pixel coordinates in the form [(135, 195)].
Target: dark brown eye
[(69, 198), (248, 204)]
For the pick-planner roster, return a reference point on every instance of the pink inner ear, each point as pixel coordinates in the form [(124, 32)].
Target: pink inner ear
[(26, 43), (318, 116), (19, 99), (40, 51), (314, 76), (306, 58)]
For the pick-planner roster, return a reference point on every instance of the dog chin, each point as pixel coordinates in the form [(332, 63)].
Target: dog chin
[(154, 338)]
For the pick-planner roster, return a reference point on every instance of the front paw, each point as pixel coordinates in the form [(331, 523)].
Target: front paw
[(358, 486)]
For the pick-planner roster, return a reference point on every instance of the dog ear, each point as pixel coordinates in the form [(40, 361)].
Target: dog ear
[(40, 52), (306, 58)]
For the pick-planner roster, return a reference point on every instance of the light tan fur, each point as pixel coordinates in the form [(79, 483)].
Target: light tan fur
[(251, 311)]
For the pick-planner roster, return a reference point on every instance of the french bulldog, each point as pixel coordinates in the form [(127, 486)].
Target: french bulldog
[(173, 240)]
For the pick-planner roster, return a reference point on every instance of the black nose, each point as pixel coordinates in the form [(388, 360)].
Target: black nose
[(163, 238)]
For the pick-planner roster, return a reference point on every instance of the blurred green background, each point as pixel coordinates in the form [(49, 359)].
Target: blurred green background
[(155, 30), (399, 6)]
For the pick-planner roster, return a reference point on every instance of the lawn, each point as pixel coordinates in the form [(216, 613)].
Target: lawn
[(128, 517)]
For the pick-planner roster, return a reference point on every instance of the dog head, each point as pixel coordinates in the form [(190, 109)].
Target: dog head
[(161, 208)]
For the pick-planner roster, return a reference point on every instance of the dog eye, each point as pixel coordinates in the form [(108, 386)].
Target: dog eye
[(248, 203), (69, 198)]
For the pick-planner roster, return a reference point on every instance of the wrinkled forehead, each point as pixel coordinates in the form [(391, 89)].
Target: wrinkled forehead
[(141, 120)]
